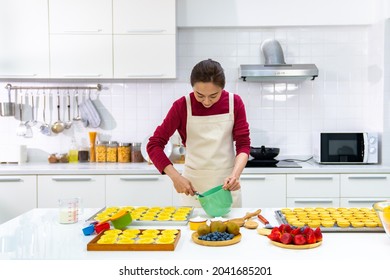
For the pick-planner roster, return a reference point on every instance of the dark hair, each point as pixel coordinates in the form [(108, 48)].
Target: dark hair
[(208, 71)]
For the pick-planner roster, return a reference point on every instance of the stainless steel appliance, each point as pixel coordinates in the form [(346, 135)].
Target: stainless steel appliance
[(346, 147)]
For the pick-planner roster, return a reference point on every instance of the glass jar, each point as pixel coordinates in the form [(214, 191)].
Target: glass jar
[(112, 151), (136, 155), (101, 151), (83, 154), (124, 152)]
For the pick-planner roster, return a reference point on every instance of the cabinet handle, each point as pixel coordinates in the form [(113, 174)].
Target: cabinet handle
[(314, 201), (365, 200), (139, 178), (10, 179), (313, 178), (19, 75), (82, 75), (83, 31), (380, 177), (145, 30), (252, 177), (144, 75), (71, 179)]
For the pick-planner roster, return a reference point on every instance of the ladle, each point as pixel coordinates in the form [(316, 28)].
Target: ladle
[(59, 125), (45, 127), (29, 124), (77, 118), (68, 124)]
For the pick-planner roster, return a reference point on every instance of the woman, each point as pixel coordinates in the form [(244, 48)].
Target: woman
[(208, 120)]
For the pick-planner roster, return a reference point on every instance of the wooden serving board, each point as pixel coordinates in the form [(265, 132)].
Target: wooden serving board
[(297, 247), (235, 240), (94, 246)]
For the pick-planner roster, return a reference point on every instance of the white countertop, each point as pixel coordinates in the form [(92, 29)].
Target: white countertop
[(38, 235), (144, 168)]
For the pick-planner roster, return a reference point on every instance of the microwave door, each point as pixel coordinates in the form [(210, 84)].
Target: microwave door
[(365, 140), (342, 147)]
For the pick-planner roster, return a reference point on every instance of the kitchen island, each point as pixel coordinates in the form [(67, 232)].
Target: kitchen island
[(37, 234)]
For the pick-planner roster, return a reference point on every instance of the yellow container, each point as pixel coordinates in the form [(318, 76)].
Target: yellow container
[(196, 222)]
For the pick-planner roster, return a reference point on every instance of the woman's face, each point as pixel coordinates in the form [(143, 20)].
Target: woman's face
[(207, 93)]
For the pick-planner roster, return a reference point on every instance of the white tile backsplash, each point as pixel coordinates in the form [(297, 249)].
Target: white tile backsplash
[(280, 115)]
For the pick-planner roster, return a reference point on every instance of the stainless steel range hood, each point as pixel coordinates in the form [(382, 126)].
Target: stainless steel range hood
[(275, 68)]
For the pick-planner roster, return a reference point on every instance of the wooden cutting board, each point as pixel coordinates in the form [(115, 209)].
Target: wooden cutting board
[(235, 240)]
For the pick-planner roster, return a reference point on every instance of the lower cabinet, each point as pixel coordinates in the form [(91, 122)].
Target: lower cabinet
[(90, 188), (18, 194), (363, 190), (138, 190), (263, 191), (313, 190)]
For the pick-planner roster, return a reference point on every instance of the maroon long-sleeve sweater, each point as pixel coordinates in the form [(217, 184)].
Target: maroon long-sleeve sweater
[(176, 119)]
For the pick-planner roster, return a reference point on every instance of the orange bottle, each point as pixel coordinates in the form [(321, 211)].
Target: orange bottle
[(92, 141)]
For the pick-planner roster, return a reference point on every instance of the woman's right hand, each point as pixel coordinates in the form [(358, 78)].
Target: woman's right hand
[(183, 185)]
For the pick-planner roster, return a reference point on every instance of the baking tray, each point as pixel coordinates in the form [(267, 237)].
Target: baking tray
[(94, 246), (157, 223), (282, 220)]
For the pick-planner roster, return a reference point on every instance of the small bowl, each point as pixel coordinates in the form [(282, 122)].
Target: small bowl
[(101, 227), (89, 229), (121, 219), (382, 209), (196, 222)]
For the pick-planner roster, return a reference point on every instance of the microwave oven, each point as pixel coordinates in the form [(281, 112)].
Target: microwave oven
[(346, 148)]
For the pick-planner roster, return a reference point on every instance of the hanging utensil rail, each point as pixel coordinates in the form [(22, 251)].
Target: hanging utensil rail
[(11, 87)]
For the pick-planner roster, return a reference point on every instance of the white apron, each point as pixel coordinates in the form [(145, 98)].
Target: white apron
[(209, 152)]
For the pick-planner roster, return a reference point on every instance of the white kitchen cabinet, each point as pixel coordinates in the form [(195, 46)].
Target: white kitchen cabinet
[(80, 16), (308, 190), (144, 56), (138, 190), (81, 39), (263, 191), (18, 194), (362, 190), (24, 39), (144, 39), (90, 188), (146, 16), (81, 56)]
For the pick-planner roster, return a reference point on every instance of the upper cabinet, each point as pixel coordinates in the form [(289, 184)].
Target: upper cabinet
[(81, 38), (146, 16), (80, 16), (246, 13), (144, 39), (24, 41)]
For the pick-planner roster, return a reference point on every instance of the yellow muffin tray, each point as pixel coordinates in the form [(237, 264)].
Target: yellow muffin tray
[(151, 244), (149, 216), (352, 219)]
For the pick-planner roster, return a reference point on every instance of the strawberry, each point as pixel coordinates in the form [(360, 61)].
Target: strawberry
[(299, 239), (295, 231), (318, 234), (310, 237), (275, 229), (286, 238), (307, 230), (285, 228), (275, 236)]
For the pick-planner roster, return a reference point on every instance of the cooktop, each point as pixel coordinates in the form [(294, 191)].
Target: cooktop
[(272, 163)]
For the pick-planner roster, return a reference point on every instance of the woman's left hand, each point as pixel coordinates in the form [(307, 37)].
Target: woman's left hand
[(231, 183)]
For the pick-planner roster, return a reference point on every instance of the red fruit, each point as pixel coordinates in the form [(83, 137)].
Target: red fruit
[(284, 228), (287, 228), (310, 237), (274, 236), (275, 229), (307, 230), (318, 234), (299, 239), (286, 238), (295, 231)]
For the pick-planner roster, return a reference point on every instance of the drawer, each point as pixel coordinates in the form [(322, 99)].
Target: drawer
[(299, 202), (313, 185), (360, 201), (365, 185)]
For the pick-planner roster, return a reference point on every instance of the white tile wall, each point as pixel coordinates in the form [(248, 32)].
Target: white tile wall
[(280, 115)]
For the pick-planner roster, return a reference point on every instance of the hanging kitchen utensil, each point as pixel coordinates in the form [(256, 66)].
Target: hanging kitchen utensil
[(77, 117), (89, 112), (68, 124), (45, 127), (21, 130), (59, 125), (264, 221), (7, 109), (29, 124)]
